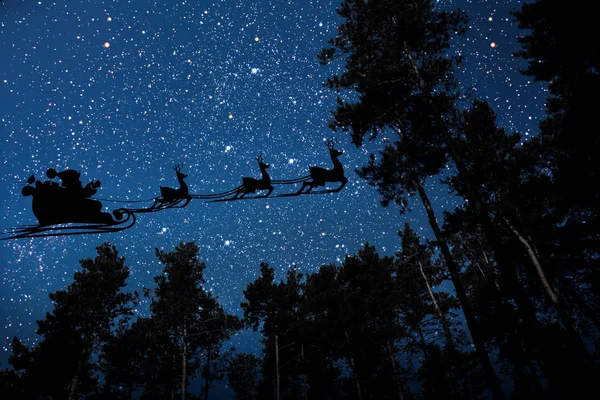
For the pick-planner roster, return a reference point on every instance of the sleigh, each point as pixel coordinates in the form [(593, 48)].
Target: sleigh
[(61, 211)]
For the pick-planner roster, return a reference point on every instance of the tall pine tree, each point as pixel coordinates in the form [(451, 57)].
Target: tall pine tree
[(396, 60)]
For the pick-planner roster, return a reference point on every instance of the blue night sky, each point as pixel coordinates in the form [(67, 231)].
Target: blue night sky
[(123, 90)]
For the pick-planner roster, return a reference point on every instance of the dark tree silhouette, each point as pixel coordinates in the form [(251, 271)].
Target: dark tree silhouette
[(357, 304), (242, 372), (359, 330), (416, 275), (83, 319), (131, 361), (447, 371), (396, 60), (186, 327), (279, 308), (336, 331), (158, 355), (556, 45), (521, 201), (11, 384)]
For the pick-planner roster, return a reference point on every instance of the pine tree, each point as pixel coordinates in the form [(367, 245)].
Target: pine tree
[(187, 324), (359, 310), (522, 202), (416, 275), (447, 370), (84, 318), (129, 361), (556, 42), (279, 309), (242, 373), (396, 60), (183, 335), (338, 321)]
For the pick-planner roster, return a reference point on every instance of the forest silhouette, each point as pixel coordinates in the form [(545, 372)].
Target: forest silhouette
[(503, 303)]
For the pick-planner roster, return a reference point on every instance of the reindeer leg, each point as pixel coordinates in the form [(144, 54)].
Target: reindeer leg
[(304, 184), (344, 181), (269, 192), (244, 191), (153, 206)]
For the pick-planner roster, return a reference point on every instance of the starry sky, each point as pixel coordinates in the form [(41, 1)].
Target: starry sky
[(124, 90)]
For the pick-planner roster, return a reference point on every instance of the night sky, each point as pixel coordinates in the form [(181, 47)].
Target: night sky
[(124, 90)]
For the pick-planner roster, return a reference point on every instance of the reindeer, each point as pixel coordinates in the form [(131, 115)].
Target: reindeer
[(251, 185), (169, 195), (321, 175)]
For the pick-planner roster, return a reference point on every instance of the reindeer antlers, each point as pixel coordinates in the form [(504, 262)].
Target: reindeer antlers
[(260, 157), (331, 143), (178, 167)]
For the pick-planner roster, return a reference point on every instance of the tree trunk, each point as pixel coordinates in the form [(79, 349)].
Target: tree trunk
[(395, 369), (445, 326), (482, 353), (276, 368), (488, 264), (174, 383), (557, 304), (72, 387), (303, 373), (480, 349), (183, 363), (74, 382), (353, 366), (207, 378), (423, 342), (536, 263)]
